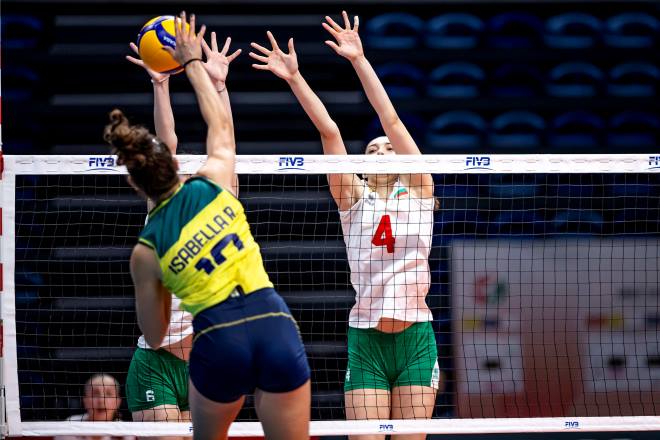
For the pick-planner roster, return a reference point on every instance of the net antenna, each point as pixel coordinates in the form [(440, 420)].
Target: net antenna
[(544, 216), (3, 276)]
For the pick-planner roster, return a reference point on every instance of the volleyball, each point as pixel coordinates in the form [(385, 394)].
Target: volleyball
[(154, 35)]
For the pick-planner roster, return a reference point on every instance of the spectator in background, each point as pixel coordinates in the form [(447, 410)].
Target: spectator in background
[(101, 401)]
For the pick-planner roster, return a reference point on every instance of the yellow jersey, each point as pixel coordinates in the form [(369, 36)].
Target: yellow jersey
[(204, 245)]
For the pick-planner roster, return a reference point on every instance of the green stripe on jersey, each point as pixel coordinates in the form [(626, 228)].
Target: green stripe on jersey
[(165, 225)]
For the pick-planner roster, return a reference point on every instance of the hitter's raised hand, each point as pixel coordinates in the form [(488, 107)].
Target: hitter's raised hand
[(188, 44)]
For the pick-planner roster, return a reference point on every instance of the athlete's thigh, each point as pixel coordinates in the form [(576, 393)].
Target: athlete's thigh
[(367, 404), (366, 387), (162, 413), (413, 402), (285, 416), (211, 420)]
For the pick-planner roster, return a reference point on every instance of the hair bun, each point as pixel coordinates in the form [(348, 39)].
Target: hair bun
[(147, 159), (117, 117), (118, 132), (130, 143)]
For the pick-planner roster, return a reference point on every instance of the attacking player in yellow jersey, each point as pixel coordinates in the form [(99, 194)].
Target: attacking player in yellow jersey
[(197, 245), (157, 379)]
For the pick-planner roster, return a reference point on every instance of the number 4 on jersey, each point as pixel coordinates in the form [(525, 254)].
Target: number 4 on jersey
[(383, 235)]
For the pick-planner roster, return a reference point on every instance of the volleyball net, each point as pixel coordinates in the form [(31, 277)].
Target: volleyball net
[(544, 287)]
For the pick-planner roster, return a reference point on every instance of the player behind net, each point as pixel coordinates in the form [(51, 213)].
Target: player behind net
[(387, 221), (197, 245)]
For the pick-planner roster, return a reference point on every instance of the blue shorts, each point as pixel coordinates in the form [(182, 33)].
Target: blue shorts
[(247, 342)]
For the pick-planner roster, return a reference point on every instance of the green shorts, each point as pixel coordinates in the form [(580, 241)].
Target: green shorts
[(156, 377), (378, 360)]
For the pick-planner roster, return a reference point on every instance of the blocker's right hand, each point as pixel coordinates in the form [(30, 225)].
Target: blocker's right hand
[(188, 44), (348, 42), (281, 64), (155, 76)]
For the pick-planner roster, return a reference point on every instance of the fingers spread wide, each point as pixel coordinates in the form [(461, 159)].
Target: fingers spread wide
[(260, 48)]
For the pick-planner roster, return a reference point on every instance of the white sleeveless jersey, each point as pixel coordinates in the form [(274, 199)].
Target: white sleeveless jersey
[(390, 283), (180, 325)]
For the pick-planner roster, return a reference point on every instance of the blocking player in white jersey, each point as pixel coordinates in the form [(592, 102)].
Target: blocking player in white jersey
[(387, 221), (157, 382)]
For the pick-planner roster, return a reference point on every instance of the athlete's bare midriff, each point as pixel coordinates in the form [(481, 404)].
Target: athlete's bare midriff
[(180, 349), (389, 325)]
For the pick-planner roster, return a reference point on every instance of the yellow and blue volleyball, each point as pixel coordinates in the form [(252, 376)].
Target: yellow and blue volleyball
[(154, 35)]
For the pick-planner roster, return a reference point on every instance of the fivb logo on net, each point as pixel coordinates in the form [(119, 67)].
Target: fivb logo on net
[(386, 427), (101, 163), (654, 162), (287, 163), (477, 163)]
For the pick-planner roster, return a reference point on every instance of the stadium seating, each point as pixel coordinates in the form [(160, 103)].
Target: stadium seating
[(576, 129), (634, 80), (462, 222), (517, 129), (457, 130), (514, 189), (518, 222), (396, 30), (25, 82), (516, 80), (575, 80), (456, 80), (454, 31), (573, 30), (401, 80), (574, 221), (633, 128), (21, 31), (514, 30), (632, 30), (566, 196), (416, 127)]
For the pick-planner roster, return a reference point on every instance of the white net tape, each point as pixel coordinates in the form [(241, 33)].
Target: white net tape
[(569, 242)]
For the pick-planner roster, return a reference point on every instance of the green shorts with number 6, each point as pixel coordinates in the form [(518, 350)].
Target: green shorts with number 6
[(156, 377), (378, 360)]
